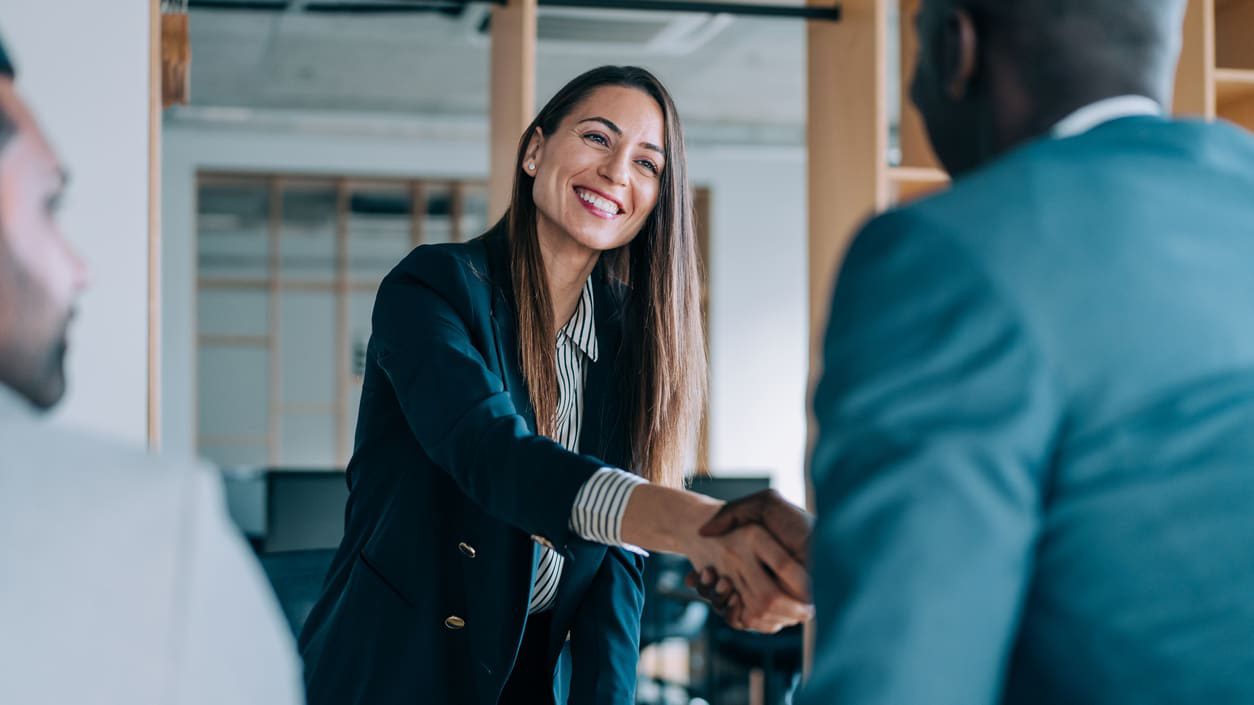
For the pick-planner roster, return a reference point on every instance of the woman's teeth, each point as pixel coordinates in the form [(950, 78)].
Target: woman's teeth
[(602, 204)]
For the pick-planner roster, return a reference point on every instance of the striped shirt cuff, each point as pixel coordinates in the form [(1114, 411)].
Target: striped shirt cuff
[(600, 505)]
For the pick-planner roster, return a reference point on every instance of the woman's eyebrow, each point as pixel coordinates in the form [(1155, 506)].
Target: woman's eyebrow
[(618, 131)]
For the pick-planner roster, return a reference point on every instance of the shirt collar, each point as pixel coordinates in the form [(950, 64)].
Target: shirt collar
[(581, 329), (1103, 111)]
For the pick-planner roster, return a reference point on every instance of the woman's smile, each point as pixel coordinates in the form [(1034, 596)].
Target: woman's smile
[(598, 203)]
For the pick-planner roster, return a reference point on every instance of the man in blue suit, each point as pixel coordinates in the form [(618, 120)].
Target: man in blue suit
[(1035, 466)]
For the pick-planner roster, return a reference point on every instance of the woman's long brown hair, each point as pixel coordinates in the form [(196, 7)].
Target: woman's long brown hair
[(664, 339)]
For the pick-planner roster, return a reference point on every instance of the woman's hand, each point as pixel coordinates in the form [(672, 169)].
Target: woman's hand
[(715, 590)]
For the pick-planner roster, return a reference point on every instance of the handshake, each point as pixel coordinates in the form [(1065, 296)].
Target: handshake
[(750, 563), (749, 555)]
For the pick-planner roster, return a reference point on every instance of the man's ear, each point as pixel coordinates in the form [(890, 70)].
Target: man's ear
[(962, 51), (534, 153)]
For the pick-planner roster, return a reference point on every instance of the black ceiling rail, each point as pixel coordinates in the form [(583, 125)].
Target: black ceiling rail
[(828, 13), (331, 8), (261, 6)]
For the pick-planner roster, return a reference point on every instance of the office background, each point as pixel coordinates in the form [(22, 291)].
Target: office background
[(362, 128)]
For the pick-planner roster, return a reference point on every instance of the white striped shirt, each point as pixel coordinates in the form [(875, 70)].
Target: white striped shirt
[(599, 505)]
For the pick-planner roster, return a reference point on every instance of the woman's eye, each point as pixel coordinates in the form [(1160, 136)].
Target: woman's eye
[(598, 138), (648, 165)]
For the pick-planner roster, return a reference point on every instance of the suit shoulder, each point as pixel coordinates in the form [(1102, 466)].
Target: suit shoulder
[(1000, 206), (436, 263), (107, 489), (91, 459), (452, 270)]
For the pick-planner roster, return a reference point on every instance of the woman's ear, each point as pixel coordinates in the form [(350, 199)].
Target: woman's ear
[(535, 152), (961, 53)]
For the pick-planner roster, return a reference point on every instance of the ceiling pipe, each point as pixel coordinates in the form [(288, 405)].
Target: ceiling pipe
[(830, 13)]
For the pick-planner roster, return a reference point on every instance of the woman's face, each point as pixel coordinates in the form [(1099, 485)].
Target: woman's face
[(597, 176)]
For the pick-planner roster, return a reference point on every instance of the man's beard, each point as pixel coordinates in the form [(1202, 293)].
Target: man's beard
[(46, 384), (52, 376)]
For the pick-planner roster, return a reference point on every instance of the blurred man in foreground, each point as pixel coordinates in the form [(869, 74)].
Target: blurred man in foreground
[(1035, 468), (121, 580)]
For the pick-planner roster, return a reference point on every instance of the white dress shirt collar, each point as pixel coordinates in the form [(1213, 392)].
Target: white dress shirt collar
[(1103, 111), (581, 329)]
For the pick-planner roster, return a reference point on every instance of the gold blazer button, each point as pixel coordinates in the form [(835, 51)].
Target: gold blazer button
[(454, 622), (466, 549)]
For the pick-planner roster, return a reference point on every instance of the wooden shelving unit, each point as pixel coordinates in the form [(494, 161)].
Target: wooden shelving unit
[(910, 182), (1216, 77), (1233, 86), (850, 177)]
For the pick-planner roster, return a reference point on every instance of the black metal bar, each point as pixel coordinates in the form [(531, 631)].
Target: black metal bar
[(258, 5), (831, 13), (336, 8)]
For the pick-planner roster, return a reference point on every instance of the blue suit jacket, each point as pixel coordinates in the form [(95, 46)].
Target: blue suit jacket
[(1035, 466), (449, 490)]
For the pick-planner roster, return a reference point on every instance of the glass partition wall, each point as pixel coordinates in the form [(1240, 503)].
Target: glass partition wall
[(288, 267)]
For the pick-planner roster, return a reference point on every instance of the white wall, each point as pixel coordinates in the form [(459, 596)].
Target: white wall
[(759, 311), (758, 271), (83, 68)]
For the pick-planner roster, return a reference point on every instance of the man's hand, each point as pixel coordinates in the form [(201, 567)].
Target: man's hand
[(789, 524), (764, 588), (772, 587)]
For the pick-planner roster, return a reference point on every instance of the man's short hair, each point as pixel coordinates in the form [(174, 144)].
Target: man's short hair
[(1056, 40)]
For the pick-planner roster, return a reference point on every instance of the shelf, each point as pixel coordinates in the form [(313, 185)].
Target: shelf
[(917, 174), (1234, 96), (910, 182), (1233, 20), (1233, 86)]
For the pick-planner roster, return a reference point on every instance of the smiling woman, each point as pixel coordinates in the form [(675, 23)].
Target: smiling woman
[(603, 178), (517, 388)]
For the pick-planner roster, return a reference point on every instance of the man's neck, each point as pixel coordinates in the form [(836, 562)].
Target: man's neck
[(1021, 115)]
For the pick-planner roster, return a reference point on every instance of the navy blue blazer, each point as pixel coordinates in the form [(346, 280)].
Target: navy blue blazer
[(1035, 466), (451, 492)]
